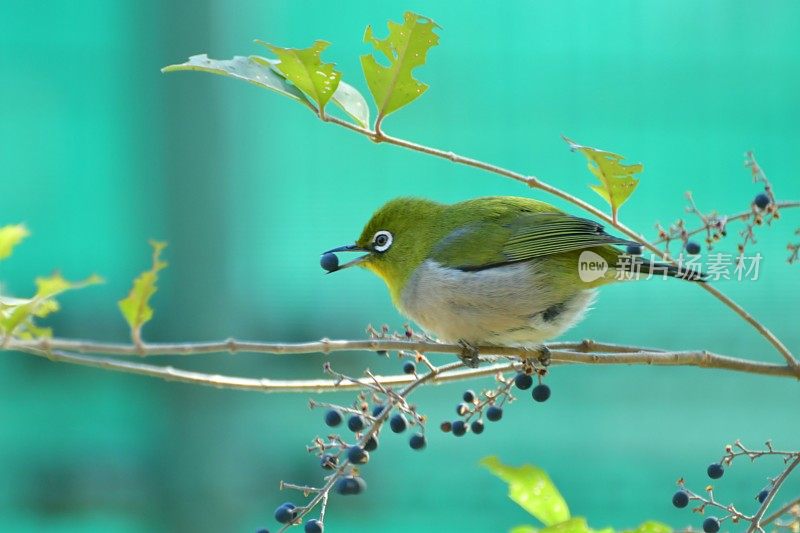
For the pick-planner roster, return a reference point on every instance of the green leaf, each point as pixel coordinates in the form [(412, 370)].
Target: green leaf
[(650, 526), (352, 102), (136, 306), (405, 48), (10, 236), (17, 314), (305, 69), (249, 69), (617, 181), (262, 72), (573, 525), (532, 489), (346, 97)]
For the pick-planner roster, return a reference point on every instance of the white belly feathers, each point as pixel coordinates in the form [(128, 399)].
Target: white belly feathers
[(512, 305)]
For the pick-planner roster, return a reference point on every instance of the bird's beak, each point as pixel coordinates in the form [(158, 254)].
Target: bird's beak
[(349, 248)]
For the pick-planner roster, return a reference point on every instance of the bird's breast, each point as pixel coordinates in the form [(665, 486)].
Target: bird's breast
[(515, 304)]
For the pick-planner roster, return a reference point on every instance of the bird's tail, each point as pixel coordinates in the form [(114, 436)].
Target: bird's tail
[(653, 269)]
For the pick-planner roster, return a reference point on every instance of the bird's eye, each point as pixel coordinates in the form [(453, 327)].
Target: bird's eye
[(382, 241)]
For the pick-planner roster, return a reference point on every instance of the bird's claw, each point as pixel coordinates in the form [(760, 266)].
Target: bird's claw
[(544, 356), (469, 354)]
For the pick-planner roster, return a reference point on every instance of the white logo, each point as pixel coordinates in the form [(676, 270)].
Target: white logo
[(591, 266)]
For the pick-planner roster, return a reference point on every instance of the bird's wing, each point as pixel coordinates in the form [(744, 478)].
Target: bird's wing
[(524, 236)]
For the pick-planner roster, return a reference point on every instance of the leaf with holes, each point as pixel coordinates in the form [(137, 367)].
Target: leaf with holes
[(262, 72), (405, 48), (10, 236), (243, 68), (617, 181), (305, 69), (136, 306)]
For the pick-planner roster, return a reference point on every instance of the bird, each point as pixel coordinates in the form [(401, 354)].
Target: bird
[(493, 271)]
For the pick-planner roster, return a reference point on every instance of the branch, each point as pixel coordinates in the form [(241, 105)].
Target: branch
[(536, 183), (169, 373), (585, 352), (776, 485)]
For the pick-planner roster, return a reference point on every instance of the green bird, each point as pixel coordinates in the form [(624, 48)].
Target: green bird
[(498, 270)]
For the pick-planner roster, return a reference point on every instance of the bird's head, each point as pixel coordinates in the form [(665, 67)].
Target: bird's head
[(397, 239)]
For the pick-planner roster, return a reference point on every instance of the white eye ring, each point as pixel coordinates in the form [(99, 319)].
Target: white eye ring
[(382, 241)]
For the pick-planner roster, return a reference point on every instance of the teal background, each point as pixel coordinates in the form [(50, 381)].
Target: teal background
[(99, 151)]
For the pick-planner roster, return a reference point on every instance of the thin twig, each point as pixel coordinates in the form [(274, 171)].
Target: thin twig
[(731, 218), (776, 485), (780, 512)]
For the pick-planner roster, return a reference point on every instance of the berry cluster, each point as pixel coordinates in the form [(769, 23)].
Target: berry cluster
[(342, 456), (376, 406), (763, 209), (472, 409), (712, 524)]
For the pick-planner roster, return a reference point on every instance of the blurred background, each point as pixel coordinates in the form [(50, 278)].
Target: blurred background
[(99, 152)]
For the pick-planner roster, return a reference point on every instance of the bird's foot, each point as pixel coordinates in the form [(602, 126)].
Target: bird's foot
[(469, 354), (544, 355)]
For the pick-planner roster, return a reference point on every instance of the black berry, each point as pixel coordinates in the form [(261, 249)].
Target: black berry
[(329, 262), (633, 249), (314, 526), (462, 409), (459, 428), (263, 531), (382, 353), (357, 455), (692, 248), (680, 499), (333, 418), (285, 513), (494, 413), (711, 524), (398, 423), (762, 201), (377, 411), (523, 381), (417, 442), (372, 444), (762, 496), (469, 396), (541, 392), (355, 423), (328, 462), (349, 485), (477, 427), (409, 368), (715, 471)]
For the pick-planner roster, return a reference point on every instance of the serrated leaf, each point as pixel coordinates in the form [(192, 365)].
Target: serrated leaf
[(246, 69), (651, 526), (305, 69), (136, 306), (405, 48), (617, 180), (532, 489), (17, 314), (10, 236)]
